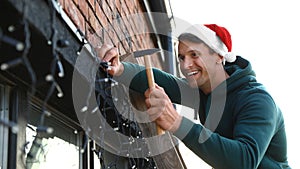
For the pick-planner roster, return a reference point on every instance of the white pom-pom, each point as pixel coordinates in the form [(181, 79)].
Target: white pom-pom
[(230, 57)]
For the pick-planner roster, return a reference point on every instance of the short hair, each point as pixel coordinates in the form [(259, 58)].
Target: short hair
[(192, 38)]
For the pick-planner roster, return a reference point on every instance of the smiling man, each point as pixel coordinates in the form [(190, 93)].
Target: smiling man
[(241, 125), (199, 64)]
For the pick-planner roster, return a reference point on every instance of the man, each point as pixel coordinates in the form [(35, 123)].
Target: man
[(241, 126)]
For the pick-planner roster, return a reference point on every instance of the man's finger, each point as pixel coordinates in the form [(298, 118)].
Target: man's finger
[(148, 93), (110, 55), (154, 113), (101, 51)]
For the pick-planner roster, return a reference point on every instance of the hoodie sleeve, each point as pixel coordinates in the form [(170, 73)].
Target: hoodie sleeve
[(254, 126), (177, 89)]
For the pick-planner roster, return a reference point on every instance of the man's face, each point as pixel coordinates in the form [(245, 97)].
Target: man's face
[(197, 63)]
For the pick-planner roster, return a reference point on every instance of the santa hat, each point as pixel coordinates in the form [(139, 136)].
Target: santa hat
[(218, 38)]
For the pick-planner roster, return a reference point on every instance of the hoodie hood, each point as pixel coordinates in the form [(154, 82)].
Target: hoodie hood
[(240, 73)]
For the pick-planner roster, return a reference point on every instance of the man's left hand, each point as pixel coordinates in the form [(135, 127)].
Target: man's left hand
[(161, 109)]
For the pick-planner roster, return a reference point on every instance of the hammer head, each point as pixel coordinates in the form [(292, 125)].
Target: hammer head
[(141, 53), (145, 52)]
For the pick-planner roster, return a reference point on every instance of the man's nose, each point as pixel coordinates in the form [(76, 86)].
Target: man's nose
[(187, 63)]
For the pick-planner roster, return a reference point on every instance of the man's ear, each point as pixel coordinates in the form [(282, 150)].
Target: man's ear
[(220, 59)]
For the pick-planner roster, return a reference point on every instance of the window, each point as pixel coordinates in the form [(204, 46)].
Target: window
[(50, 151), (56, 147), (4, 130)]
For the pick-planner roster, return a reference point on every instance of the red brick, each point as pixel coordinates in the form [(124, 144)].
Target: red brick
[(131, 6), (107, 11), (75, 1), (93, 20), (121, 33), (119, 7), (98, 19), (122, 8), (140, 8), (75, 15), (106, 36), (92, 3), (121, 48), (84, 8), (100, 15), (91, 36), (135, 21), (113, 35), (112, 5), (128, 26), (128, 44)]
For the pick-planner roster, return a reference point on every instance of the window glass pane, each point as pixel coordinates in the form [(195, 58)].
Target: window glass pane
[(51, 152), (59, 149), (3, 128), (96, 161)]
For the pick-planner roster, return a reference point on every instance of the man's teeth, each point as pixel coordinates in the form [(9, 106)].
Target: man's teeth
[(192, 73)]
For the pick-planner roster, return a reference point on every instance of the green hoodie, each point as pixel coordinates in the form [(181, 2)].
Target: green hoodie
[(241, 126)]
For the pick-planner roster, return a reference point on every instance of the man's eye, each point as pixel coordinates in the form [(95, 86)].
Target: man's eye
[(194, 54), (181, 58)]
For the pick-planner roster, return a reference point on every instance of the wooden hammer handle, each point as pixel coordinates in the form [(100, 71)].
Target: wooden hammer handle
[(151, 83)]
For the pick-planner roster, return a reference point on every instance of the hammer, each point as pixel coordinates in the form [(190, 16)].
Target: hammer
[(146, 54)]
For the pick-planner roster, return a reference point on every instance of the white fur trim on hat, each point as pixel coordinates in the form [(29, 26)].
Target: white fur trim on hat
[(230, 57), (213, 41)]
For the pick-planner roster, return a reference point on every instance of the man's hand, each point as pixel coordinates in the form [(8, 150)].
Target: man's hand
[(161, 109), (109, 53)]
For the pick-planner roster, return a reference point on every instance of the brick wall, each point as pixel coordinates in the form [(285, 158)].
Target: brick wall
[(119, 22)]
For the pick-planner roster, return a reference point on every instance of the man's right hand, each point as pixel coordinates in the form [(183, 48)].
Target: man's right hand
[(109, 53)]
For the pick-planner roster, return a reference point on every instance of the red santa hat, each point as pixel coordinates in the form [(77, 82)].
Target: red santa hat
[(218, 38)]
